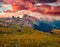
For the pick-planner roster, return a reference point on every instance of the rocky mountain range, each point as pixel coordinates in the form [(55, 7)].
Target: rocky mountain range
[(30, 21)]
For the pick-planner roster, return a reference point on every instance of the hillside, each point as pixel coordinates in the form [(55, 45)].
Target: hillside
[(30, 23), (28, 37)]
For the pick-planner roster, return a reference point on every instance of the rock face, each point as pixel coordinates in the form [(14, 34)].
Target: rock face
[(27, 20), (35, 20)]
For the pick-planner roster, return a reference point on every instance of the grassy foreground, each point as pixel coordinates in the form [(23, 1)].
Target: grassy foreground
[(28, 37)]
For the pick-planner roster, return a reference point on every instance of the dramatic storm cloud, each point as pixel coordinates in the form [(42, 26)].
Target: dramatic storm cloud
[(37, 0), (1, 0), (31, 5), (47, 1)]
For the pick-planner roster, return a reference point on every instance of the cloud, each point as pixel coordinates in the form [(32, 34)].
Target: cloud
[(47, 1), (1, 0)]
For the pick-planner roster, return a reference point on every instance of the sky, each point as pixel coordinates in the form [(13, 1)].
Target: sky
[(9, 6), (40, 0), (1, 0), (4, 7), (49, 1)]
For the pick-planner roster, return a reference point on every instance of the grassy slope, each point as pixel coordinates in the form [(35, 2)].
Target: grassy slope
[(28, 37)]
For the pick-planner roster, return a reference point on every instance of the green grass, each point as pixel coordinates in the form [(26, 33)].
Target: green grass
[(28, 37)]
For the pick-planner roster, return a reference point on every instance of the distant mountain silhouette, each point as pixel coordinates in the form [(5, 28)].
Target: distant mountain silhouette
[(27, 20)]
